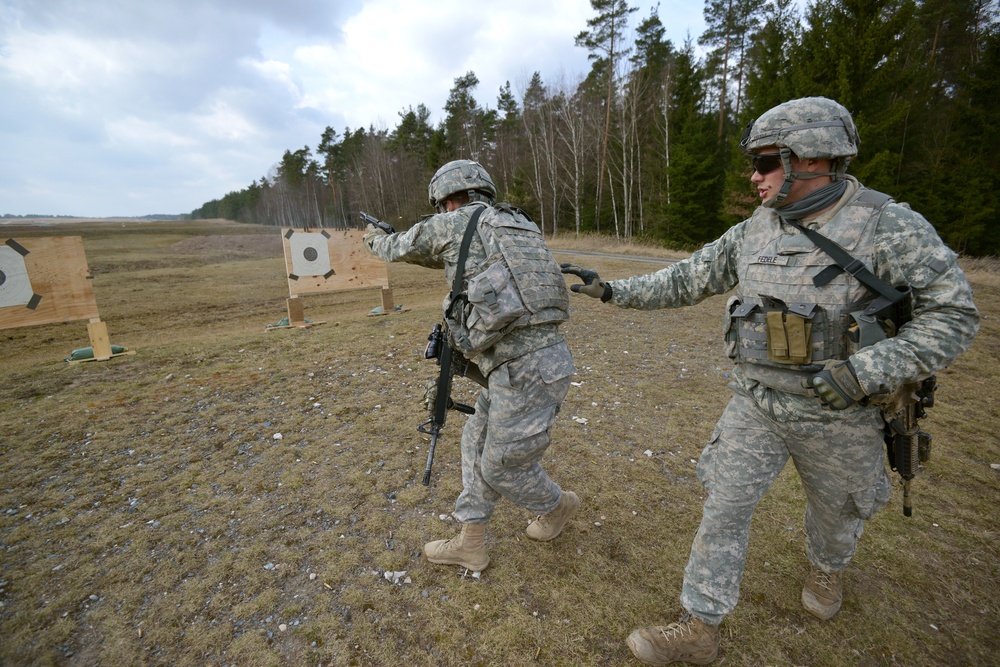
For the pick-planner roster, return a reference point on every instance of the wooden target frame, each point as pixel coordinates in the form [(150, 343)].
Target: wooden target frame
[(46, 280), (329, 260)]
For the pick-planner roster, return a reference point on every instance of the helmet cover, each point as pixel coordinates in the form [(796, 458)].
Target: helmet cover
[(459, 176), (811, 127)]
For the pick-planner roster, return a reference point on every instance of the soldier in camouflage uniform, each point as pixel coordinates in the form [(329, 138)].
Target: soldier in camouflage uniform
[(801, 389), (527, 371)]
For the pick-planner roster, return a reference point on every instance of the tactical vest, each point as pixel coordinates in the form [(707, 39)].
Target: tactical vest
[(510, 236), (780, 327), (519, 284)]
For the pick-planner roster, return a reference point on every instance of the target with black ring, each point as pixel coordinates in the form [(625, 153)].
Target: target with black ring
[(328, 260), (15, 285), (310, 254)]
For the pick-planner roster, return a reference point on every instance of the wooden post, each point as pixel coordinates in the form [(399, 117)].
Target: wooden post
[(296, 316), (99, 339), (387, 304)]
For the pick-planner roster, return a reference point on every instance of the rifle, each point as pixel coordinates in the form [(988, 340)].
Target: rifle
[(372, 220), (438, 348), (906, 445)]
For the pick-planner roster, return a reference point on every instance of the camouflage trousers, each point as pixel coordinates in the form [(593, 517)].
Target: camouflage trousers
[(839, 458), (504, 441)]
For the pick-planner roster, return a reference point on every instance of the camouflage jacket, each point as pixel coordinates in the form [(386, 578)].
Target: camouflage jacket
[(906, 251), (435, 242)]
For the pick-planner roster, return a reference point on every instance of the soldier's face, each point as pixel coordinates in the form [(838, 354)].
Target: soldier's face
[(770, 182)]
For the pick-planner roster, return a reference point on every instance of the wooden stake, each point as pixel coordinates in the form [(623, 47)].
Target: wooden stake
[(387, 304), (296, 318), (99, 339)]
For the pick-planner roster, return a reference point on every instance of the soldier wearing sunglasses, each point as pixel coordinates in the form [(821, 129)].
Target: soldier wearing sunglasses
[(806, 379)]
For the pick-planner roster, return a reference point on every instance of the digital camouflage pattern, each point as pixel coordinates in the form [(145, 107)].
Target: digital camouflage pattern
[(459, 176), (838, 453), (504, 441), (906, 251), (435, 243), (811, 127), (528, 373), (781, 267), (839, 458)]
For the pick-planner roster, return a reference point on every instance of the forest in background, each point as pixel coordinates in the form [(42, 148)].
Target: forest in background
[(646, 144)]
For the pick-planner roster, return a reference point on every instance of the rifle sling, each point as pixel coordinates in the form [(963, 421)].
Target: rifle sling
[(444, 379), (845, 262)]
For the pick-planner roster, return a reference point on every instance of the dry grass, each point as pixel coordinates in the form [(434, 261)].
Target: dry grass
[(148, 515)]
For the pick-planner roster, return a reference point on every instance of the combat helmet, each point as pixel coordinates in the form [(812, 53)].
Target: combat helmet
[(811, 128), (461, 176)]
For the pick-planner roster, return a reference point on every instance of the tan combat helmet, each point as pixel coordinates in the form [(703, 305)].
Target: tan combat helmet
[(811, 128), (461, 176)]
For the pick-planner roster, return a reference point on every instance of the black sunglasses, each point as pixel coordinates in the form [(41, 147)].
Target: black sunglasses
[(766, 163)]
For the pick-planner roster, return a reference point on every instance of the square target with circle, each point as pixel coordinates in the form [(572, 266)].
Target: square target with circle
[(44, 280), (330, 260), (15, 283)]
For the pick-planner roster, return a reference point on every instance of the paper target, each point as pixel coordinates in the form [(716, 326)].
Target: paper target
[(310, 254), (328, 260), (15, 286), (44, 280)]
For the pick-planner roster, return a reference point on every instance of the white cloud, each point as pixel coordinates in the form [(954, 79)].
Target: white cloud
[(222, 121), (126, 108), (131, 133)]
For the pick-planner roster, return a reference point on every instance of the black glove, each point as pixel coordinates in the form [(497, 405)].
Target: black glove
[(836, 385), (592, 284)]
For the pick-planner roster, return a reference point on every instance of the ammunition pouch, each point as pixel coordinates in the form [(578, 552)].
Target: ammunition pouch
[(789, 337), (774, 334)]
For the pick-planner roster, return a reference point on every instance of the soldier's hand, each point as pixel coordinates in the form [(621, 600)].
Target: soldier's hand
[(592, 285), (836, 385), (371, 233), (430, 394), (384, 226)]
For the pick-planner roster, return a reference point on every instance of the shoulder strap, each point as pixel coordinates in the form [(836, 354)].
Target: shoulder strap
[(845, 262), (463, 253)]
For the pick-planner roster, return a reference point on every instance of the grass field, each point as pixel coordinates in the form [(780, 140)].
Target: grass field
[(149, 515)]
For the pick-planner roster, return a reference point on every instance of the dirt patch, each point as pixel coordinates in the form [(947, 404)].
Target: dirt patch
[(231, 246)]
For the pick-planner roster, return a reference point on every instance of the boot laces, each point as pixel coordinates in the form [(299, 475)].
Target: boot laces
[(824, 580), (679, 629)]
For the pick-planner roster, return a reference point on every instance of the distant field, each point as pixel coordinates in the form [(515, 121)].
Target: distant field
[(150, 515)]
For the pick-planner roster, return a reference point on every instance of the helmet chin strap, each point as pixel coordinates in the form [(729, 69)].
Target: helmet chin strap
[(778, 200)]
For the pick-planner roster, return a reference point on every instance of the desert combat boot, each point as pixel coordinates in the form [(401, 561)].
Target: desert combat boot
[(548, 526), (822, 593), (690, 640), (467, 549)]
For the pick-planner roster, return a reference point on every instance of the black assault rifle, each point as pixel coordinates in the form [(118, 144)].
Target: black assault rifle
[(907, 445), (438, 348), (372, 220)]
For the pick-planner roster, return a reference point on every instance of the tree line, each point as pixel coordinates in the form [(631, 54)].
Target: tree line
[(646, 144)]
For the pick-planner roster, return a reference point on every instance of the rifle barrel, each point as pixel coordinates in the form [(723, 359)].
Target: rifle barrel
[(430, 455)]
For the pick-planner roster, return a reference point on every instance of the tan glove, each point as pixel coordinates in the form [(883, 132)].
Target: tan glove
[(592, 285), (836, 385), (371, 233)]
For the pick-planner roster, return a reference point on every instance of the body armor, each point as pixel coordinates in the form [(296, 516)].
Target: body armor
[(507, 233), (780, 327)]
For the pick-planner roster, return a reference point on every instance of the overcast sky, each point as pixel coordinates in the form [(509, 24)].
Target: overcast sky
[(137, 107)]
